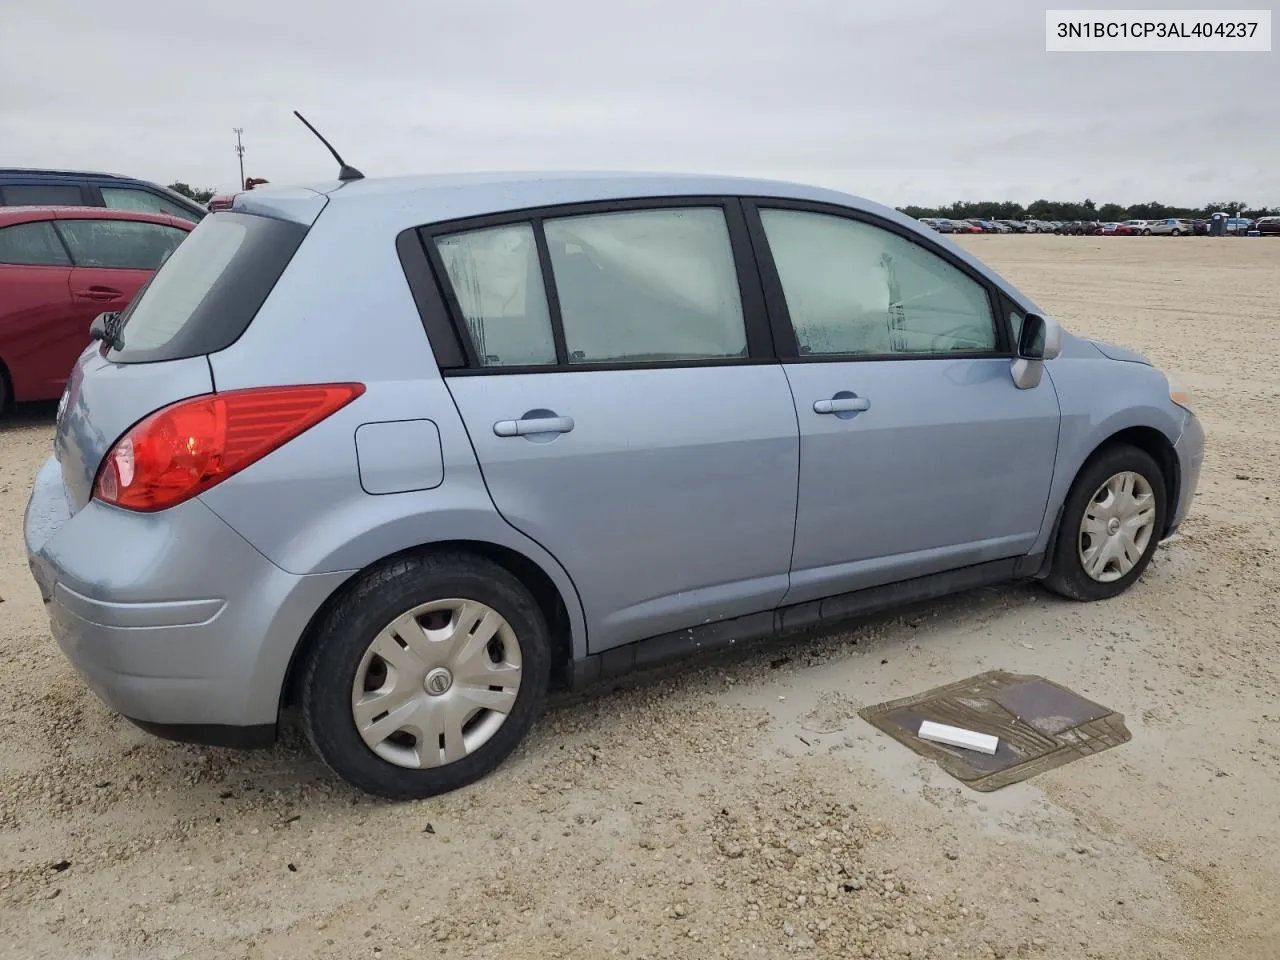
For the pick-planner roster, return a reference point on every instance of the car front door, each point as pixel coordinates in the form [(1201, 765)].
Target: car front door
[(918, 453), (35, 303), (112, 260), (624, 406)]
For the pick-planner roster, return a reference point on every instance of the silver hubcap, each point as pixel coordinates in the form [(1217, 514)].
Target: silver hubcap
[(1117, 527), (436, 683)]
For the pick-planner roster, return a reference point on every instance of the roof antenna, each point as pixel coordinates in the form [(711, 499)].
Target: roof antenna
[(345, 171)]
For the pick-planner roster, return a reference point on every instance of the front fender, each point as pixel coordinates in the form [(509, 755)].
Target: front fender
[(1099, 399)]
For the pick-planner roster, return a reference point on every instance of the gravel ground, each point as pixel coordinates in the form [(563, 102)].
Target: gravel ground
[(741, 809)]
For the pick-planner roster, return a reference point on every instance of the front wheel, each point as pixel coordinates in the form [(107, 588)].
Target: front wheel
[(1110, 526), (425, 675), (1146, 233)]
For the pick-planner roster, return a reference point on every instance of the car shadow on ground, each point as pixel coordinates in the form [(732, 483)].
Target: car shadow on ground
[(41, 413)]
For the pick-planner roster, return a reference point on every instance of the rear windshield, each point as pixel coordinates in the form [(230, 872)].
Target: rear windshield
[(207, 292)]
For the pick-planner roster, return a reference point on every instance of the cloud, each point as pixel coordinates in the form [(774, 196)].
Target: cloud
[(912, 102)]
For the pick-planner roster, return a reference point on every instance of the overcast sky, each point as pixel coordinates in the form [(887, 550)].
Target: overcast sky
[(903, 101)]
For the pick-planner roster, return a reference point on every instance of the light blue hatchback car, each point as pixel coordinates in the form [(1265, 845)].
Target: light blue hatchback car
[(407, 452)]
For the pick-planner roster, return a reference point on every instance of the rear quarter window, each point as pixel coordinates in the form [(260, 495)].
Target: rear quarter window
[(209, 289), (41, 195)]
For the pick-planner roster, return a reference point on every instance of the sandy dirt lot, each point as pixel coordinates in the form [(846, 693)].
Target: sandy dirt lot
[(741, 809)]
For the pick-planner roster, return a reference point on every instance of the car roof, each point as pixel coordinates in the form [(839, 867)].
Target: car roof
[(14, 215), (437, 197), (35, 172)]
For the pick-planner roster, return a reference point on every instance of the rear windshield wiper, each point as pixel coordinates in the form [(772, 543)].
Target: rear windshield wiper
[(106, 327)]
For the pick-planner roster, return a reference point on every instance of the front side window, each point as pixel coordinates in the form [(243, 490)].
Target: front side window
[(120, 244), (32, 245), (497, 282), (647, 286), (854, 289), (127, 198)]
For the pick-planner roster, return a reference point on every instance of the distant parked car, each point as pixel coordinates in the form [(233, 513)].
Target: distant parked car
[(1268, 226), (1015, 226), (1238, 225), (22, 187), (59, 268), (1172, 227)]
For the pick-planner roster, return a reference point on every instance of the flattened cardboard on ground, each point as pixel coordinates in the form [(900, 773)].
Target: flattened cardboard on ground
[(1040, 724)]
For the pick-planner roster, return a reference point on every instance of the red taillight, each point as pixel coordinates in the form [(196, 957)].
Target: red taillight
[(184, 449)]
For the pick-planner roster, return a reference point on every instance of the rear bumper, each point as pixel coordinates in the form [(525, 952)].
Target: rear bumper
[(1190, 452), (172, 618)]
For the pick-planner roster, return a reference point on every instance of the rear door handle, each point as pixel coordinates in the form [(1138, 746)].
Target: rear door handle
[(99, 293), (842, 405), (532, 426)]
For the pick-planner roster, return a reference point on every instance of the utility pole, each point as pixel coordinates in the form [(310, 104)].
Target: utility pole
[(240, 153)]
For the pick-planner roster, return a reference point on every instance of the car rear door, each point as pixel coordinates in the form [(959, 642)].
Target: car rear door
[(112, 260), (631, 418), (35, 301), (918, 454)]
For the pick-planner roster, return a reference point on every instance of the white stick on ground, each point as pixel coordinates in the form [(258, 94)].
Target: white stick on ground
[(958, 737)]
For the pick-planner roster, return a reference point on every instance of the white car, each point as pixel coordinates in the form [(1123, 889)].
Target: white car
[(1172, 227)]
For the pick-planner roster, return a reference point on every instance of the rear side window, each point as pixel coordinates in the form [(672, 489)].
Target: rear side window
[(119, 244), (130, 198), (647, 286), (32, 245), (209, 290), (41, 195)]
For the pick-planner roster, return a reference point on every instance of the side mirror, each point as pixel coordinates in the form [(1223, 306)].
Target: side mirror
[(1040, 339), (1031, 339)]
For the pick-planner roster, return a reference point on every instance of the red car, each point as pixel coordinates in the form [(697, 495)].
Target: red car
[(59, 268)]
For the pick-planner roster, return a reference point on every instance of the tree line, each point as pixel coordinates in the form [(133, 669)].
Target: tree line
[(202, 194), (1083, 210)]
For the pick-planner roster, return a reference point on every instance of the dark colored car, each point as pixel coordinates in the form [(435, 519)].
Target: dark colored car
[(1268, 226), (59, 268), (21, 187)]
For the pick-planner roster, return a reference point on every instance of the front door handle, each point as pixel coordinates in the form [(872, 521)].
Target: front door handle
[(532, 426), (842, 405)]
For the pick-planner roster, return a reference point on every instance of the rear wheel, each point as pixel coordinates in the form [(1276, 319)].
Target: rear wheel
[(1176, 232), (426, 675), (1146, 233), (1110, 526)]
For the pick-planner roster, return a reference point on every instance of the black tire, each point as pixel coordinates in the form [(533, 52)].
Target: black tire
[(1146, 233), (1067, 575), (1176, 232), (368, 606), (6, 391)]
